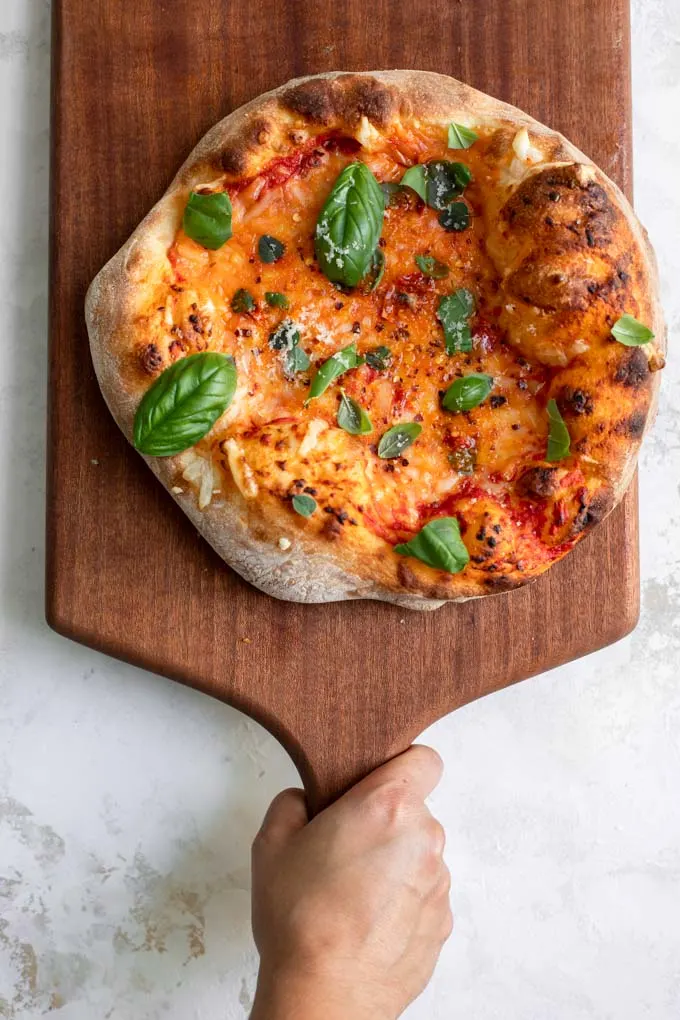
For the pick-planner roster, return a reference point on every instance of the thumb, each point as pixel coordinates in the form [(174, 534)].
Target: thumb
[(286, 815)]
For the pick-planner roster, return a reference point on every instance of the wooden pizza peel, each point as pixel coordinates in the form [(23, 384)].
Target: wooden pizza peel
[(347, 685)]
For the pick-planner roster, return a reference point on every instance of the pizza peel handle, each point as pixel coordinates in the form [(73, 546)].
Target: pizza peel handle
[(329, 764)]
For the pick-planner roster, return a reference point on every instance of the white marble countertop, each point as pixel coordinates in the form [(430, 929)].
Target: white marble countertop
[(127, 803)]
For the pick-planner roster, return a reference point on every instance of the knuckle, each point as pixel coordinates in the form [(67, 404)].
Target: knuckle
[(390, 803), (447, 924), (436, 837)]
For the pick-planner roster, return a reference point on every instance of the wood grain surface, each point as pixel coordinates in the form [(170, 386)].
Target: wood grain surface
[(343, 686)]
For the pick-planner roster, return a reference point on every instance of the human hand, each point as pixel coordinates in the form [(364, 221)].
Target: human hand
[(350, 910)]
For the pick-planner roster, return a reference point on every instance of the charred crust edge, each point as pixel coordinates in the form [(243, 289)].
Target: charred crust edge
[(347, 98)]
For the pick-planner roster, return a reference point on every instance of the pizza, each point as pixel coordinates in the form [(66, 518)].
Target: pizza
[(384, 337)]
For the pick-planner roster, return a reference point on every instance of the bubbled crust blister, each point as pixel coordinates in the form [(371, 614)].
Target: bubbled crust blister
[(567, 265)]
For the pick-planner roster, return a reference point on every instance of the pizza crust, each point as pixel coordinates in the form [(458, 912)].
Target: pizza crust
[(264, 550)]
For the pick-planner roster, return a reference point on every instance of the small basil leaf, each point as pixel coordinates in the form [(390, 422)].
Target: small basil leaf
[(379, 358), (275, 299), (184, 403), (295, 360), (431, 266), (468, 392), (415, 178), (453, 312), (630, 332), (463, 460), (270, 249), (285, 336), (439, 545), (559, 440), (375, 272), (334, 367), (349, 225), (398, 438), (207, 219), (455, 217), (304, 505), (352, 417), (461, 137), (242, 301), (390, 190)]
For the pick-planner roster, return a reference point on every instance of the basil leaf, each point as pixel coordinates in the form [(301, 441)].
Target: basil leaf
[(559, 440), (468, 392), (304, 505), (398, 438), (376, 271), (335, 366), (275, 299), (439, 545), (243, 301), (270, 249), (442, 183), (184, 403), (463, 460), (295, 360), (455, 217), (415, 178), (431, 266), (461, 137), (207, 219), (285, 336), (390, 190), (437, 182), (453, 312), (630, 332), (348, 228), (379, 358), (352, 417)]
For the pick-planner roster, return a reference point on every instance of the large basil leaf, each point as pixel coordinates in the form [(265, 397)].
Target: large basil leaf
[(439, 545), (335, 366), (348, 228), (184, 403), (559, 441), (207, 219), (352, 417), (461, 137), (630, 332), (398, 438), (453, 312), (468, 392)]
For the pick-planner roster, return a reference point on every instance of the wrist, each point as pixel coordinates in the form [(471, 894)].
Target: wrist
[(295, 995)]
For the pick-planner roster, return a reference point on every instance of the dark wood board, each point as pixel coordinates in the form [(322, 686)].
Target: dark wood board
[(347, 685)]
